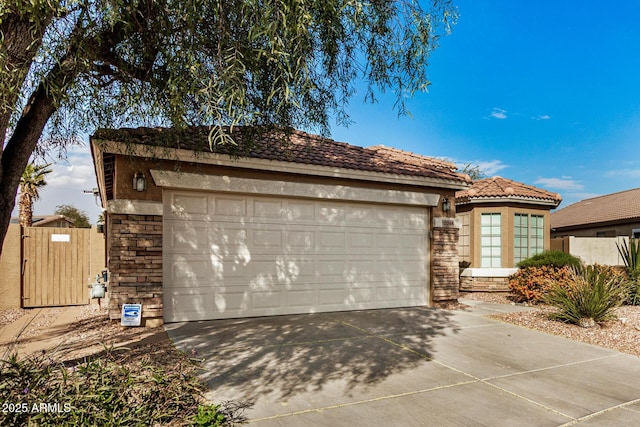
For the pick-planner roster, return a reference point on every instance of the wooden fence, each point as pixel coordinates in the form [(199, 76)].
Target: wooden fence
[(55, 266)]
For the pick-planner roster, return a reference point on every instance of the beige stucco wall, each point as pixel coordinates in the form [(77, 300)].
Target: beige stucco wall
[(592, 250), (126, 167), (97, 259), (10, 269)]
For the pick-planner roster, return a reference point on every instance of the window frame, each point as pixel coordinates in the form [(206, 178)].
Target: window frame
[(491, 240), (532, 233)]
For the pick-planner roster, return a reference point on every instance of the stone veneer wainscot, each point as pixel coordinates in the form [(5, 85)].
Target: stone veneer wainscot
[(135, 265), (445, 263)]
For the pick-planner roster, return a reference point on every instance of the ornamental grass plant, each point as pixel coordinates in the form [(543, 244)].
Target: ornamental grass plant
[(589, 296)]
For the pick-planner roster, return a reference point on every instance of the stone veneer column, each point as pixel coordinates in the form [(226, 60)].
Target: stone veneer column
[(444, 263), (135, 265)]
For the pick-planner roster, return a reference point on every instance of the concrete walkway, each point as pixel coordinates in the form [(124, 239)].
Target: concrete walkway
[(413, 366)]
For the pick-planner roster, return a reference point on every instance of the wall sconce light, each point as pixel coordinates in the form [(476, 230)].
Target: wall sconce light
[(446, 205), (139, 182)]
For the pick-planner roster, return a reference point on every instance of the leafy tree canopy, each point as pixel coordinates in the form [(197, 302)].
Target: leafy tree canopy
[(75, 65), (80, 218), (473, 171)]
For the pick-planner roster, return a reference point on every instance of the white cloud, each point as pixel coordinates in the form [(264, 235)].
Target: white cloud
[(75, 175), (566, 183), (66, 185), (629, 173), (499, 113), (542, 117), (489, 168)]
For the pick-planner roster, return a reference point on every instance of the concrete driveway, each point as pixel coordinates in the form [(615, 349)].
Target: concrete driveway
[(412, 366)]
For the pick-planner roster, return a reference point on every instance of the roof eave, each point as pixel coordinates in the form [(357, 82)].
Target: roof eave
[(579, 226), (508, 199), (141, 150)]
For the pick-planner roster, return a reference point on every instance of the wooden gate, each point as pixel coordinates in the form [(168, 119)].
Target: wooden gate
[(55, 266)]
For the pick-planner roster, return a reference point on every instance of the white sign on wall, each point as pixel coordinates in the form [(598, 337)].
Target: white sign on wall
[(131, 314), (60, 237)]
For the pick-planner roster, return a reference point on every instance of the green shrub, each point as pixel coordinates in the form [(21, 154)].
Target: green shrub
[(102, 392), (551, 259), (530, 284), (590, 295), (209, 416)]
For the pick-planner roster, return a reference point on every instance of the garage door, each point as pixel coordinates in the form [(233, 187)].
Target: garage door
[(228, 255)]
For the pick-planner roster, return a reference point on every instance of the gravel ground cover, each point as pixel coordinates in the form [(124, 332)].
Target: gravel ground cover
[(622, 334), (11, 315)]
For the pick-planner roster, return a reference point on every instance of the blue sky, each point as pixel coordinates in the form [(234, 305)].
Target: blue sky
[(546, 93)]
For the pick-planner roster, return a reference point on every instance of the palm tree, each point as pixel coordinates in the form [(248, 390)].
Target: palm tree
[(31, 182)]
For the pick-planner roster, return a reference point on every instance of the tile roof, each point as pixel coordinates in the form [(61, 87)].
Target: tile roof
[(621, 206), (296, 146), (500, 188)]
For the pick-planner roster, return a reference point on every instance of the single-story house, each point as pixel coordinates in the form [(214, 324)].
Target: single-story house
[(55, 221), (502, 222), (612, 215), (274, 224)]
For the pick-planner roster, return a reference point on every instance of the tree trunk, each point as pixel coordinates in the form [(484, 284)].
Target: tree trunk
[(18, 151), (25, 207), (20, 43), (24, 140), (21, 40)]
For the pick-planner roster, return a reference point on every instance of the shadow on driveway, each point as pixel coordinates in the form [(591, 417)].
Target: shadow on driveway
[(283, 356)]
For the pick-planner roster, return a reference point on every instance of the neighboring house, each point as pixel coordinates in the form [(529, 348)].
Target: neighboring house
[(272, 226), (54, 221), (613, 215), (502, 223)]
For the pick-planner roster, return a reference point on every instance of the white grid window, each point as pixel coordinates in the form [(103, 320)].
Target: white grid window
[(528, 236), (464, 242), (490, 240)]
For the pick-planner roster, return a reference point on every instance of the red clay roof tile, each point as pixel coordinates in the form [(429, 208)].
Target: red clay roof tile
[(501, 188), (299, 147)]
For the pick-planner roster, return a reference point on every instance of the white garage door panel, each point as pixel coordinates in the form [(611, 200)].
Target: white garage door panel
[(229, 255)]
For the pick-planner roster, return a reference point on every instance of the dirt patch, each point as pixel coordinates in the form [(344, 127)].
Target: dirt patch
[(11, 315), (93, 333)]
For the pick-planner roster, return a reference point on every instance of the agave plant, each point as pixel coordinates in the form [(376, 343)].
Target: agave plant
[(630, 253), (590, 297)]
